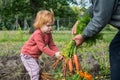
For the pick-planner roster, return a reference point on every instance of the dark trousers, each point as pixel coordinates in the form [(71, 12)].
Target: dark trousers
[(114, 50)]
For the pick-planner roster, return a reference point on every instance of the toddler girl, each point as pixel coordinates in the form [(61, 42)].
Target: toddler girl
[(40, 41)]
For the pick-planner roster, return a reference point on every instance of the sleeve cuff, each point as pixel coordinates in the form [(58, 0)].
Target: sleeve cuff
[(84, 36)]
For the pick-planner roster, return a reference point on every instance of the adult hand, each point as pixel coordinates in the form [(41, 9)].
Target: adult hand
[(78, 39), (73, 31)]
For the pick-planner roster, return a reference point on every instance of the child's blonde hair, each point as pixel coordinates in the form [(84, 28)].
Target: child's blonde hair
[(43, 17)]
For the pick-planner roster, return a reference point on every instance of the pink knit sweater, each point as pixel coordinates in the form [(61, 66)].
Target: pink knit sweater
[(39, 42)]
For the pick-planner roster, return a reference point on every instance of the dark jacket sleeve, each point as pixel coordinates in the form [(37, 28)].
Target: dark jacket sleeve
[(102, 12)]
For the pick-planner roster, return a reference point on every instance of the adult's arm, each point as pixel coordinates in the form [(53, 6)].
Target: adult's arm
[(102, 11)]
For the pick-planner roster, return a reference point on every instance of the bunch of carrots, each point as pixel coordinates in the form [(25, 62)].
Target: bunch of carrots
[(70, 60), (70, 56)]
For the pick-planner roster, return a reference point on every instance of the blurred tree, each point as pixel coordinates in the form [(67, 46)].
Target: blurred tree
[(20, 9)]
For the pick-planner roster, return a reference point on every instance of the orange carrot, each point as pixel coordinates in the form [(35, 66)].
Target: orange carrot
[(88, 76), (56, 62), (85, 75), (77, 62), (65, 67), (81, 74), (70, 65)]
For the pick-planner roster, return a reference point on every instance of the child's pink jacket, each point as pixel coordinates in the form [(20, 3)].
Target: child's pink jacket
[(39, 42)]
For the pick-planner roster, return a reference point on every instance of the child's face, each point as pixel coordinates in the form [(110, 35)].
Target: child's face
[(47, 28)]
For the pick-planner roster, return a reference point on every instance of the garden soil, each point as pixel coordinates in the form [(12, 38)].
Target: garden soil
[(11, 67)]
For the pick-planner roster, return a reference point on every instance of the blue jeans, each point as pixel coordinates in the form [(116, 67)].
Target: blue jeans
[(114, 51)]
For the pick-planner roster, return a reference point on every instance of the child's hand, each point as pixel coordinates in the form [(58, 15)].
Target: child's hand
[(58, 55)]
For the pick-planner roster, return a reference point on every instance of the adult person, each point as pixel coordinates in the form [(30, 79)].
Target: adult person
[(104, 12)]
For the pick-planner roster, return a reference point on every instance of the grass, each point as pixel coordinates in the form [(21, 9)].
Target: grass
[(14, 36)]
